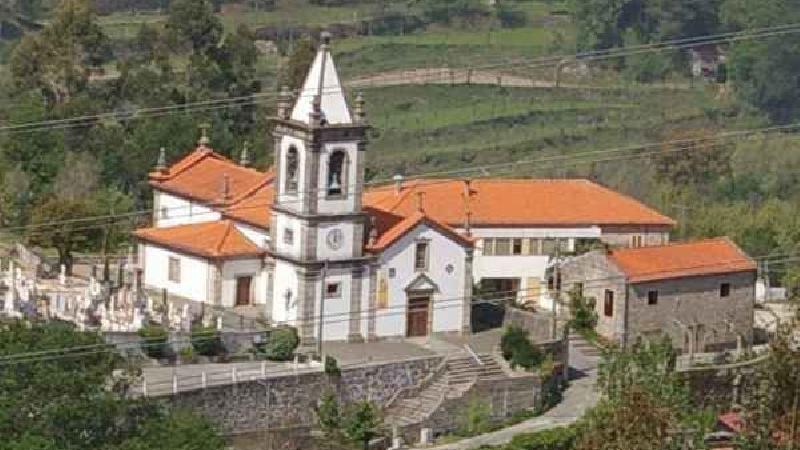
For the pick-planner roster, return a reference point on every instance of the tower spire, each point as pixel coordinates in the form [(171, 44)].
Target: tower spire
[(161, 164), (322, 99)]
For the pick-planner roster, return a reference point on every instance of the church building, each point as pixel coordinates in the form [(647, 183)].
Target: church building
[(306, 240)]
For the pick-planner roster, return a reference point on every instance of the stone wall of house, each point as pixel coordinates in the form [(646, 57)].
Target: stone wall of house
[(692, 312), (289, 401), (594, 275)]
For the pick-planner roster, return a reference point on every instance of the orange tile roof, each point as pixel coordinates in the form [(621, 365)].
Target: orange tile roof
[(253, 208), (218, 239), (498, 202), (201, 176), (706, 257), (391, 228)]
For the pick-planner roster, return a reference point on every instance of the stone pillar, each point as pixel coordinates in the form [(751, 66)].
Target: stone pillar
[(354, 324), (306, 306), (466, 309)]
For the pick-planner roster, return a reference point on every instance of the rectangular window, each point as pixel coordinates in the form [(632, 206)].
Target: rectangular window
[(164, 212), (174, 269), (333, 290), (652, 297), (502, 246), (549, 246), (608, 303), (563, 245), (288, 236), (516, 247), (637, 241), (536, 246), (488, 247), (578, 288), (725, 290), (421, 256)]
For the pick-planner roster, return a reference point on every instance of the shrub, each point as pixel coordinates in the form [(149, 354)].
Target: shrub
[(555, 439), (207, 340), (187, 354), (332, 366), (154, 340), (518, 349), (281, 344), (584, 316), (476, 418), (510, 17)]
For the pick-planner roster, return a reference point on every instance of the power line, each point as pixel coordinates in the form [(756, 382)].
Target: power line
[(385, 183)]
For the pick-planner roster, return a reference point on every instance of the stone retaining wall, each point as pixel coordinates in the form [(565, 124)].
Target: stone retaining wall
[(539, 325), (289, 401)]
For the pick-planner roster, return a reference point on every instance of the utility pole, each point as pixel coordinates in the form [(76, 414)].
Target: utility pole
[(793, 431), (322, 291), (557, 286)]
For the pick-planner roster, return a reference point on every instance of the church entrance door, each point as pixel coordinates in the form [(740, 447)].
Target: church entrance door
[(418, 315)]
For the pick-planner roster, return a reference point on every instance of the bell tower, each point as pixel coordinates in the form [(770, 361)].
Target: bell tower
[(317, 226)]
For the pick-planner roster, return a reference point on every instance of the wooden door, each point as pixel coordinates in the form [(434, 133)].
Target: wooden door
[(417, 320), (243, 290)]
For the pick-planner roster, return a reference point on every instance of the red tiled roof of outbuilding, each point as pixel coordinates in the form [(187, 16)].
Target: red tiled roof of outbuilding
[(684, 259)]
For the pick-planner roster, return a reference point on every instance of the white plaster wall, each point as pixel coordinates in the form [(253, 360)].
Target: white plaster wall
[(447, 304), (284, 222), (347, 204), (291, 201), (257, 235), (180, 211), (285, 279), (243, 267), (194, 273), (345, 250)]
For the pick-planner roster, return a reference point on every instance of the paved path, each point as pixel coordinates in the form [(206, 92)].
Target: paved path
[(578, 398)]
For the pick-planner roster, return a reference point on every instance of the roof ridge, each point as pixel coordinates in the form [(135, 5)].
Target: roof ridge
[(226, 232)]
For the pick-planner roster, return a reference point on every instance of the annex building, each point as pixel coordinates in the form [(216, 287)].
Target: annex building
[(307, 239)]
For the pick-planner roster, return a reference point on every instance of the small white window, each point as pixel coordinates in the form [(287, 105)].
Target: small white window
[(174, 269), (637, 240), (392, 272), (164, 212), (288, 236)]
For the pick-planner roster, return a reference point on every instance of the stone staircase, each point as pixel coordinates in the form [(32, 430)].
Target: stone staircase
[(459, 375)]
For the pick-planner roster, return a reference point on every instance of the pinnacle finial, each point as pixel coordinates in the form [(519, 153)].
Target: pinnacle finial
[(284, 102), (161, 164), (244, 159), (361, 112), (204, 139)]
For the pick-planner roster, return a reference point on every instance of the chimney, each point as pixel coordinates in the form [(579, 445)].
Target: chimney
[(398, 183), (420, 206), (161, 164), (244, 159)]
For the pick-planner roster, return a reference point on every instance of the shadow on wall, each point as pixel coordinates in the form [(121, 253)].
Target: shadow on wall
[(487, 316)]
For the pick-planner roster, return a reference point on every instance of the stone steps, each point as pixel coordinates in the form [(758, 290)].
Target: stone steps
[(458, 377)]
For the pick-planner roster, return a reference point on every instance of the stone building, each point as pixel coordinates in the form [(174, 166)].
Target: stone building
[(700, 294)]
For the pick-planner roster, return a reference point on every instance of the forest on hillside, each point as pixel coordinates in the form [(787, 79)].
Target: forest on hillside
[(90, 90)]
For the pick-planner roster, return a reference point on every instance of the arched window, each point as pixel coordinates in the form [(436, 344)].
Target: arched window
[(291, 169), (337, 179)]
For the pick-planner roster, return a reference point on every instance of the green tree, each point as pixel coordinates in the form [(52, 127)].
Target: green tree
[(362, 423), (59, 60), (299, 62), (55, 223), (63, 401)]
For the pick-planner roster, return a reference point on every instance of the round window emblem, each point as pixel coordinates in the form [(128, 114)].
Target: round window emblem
[(449, 268), (335, 239)]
